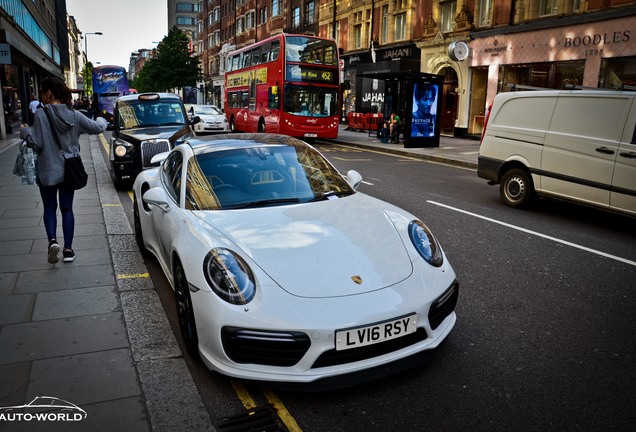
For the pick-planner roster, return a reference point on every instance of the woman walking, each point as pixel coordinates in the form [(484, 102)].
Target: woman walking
[(68, 124)]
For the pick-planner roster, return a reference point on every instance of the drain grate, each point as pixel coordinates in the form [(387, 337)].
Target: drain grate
[(259, 419)]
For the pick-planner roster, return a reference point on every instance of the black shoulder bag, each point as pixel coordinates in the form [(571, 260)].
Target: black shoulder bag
[(75, 176)]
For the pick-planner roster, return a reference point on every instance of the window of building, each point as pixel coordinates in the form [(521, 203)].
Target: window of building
[(384, 31), (263, 15), (548, 7), (447, 16), (184, 20), (357, 31), (309, 12), (296, 17), (485, 13), (276, 7), (240, 24), (400, 26), (186, 7), (554, 75), (216, 14), (250, 22)]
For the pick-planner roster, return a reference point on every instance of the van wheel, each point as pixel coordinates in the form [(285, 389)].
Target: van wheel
[(516, 188)]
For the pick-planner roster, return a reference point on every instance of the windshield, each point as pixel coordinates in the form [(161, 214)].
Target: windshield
[(310, 101), (310, 50), (134, 114), (207, 110), (261, 177)]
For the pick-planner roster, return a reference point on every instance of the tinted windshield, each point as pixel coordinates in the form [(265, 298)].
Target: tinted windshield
[(134, 114), (262, 176)]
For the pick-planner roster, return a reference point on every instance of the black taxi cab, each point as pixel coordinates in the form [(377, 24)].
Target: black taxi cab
[(144, 125)]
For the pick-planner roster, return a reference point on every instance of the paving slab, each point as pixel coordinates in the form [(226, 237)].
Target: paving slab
[(63, 276), (76, 302), (69, 336), (16, 309)]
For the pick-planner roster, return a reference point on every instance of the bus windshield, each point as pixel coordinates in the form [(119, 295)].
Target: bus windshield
[(310, 101), (310, 50)]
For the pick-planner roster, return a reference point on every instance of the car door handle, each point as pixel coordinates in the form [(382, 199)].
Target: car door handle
[(629, 155), (604, 150)]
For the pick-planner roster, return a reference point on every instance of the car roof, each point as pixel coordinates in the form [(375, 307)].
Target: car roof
[(162, 96), (207, 144)]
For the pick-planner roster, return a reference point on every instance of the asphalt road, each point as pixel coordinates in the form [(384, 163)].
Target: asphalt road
[(545, 334)]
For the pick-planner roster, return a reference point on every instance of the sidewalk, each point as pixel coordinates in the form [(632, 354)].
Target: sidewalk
[(94, 332)]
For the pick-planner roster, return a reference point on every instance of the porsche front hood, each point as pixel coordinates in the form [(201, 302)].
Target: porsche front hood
[(330, 248)]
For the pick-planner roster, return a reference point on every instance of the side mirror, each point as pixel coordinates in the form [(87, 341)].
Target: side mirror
[(156, 197), (195, 120), (354, 178), (158, 158)]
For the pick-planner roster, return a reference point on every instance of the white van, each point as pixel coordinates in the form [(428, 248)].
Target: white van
[(574, 145)]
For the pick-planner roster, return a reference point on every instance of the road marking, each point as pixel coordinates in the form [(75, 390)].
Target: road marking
[(547, 237), (351, 160), (111, 205), (282, 412), (243, 395), (133, 276)]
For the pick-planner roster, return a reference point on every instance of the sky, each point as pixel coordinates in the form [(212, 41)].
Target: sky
[(127, 26)]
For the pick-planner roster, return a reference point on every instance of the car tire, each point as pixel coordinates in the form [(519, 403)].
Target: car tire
[(119, 184), (185, 311), (139, 235), (516, 188)]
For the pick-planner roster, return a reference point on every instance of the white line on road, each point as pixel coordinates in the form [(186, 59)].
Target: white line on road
[(574, 245)]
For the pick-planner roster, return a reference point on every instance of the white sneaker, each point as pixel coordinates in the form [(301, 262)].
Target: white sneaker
[(54, 250)]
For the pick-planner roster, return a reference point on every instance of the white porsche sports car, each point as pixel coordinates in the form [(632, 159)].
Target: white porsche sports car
[(282, 271)]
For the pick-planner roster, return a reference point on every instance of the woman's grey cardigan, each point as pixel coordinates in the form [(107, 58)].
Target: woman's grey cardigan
[(70, 125)]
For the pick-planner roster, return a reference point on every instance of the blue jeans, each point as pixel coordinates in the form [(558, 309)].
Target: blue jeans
[(49, 199)]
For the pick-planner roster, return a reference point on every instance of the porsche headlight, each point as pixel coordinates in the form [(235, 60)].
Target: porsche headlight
[(425, 243), (229, 276)]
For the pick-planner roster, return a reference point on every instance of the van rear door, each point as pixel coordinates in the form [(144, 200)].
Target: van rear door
[(623, 193), (581, 146)]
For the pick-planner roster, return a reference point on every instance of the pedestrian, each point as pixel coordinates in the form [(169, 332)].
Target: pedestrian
[(33, 107), (69, 124), (394, 127)]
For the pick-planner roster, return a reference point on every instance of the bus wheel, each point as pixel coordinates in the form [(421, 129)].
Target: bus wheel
[(232, 127), (261, 126)]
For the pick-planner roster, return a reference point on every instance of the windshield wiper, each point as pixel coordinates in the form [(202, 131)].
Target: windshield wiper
[(328, 195), (264, 202)]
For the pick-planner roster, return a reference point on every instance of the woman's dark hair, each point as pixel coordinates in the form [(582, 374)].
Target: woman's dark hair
[(59, 89)]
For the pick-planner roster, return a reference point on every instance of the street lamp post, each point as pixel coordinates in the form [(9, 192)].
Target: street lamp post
[(86, 42)]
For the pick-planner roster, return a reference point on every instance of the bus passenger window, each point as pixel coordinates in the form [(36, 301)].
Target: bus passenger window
[(244, 100), (247, 59), (275, 50), (256, 56), (265, 52)]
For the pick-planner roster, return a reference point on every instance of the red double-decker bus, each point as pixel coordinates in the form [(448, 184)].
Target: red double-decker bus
[(287, 84)]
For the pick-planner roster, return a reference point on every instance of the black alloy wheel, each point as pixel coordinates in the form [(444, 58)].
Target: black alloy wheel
[(185, 312), (139, 235)]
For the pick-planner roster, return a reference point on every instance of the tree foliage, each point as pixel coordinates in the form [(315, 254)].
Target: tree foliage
[(172, 67)]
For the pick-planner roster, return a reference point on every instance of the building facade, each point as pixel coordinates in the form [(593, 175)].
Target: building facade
[(33, 44)]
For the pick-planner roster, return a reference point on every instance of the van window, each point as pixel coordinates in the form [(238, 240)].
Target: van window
[(591, 117)]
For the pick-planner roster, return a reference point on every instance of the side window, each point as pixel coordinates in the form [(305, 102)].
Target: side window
[(265, 53), (275, 51), (171, 170)]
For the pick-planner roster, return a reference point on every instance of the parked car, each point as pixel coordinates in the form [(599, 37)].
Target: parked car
[(282, 271), (213, 120), (573, 145), (144, 125)]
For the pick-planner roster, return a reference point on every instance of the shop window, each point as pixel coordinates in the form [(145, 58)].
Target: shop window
[(557, 75)]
